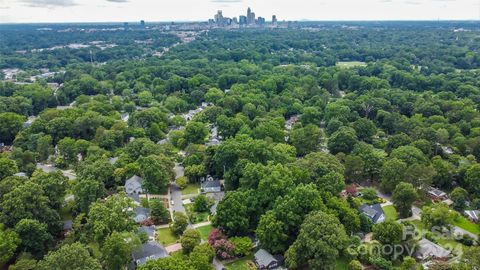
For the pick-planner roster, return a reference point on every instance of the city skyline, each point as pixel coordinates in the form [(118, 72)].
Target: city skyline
[(25, 11)]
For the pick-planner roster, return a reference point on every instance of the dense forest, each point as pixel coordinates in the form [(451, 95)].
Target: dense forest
[(308, 129)]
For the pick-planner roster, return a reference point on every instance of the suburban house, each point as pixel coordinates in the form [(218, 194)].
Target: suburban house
[(148, 230), (472, 215), (141, 214), (264, 260), (429, 250), (211, 186), (151, 250), (134, 185), (374, 212), (67, 227), (436, 194)]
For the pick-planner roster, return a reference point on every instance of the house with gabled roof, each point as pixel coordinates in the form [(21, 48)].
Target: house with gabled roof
[(134, 185), (373, 212)]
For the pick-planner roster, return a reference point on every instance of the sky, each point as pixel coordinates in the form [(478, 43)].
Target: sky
[(27, 11)]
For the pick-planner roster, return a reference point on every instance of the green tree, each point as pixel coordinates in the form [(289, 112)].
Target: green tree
[(202, 256), (322, 253), (355, 265), (232, 214), (392, 173), (459, 197), (28, 201), (158, 211), (243, 246), (10, 125), (35, 236), (71, 256), (7, 168), (118, 248), (87, 191), (173, 262), (472, 179), (306, 139), (365, 129), (157, 172), (332, 182), (403, 198), (438, 215), (112, 214), (180, 223), (388, 232), (196, 132), (343, 140), (9, 241), (201, 203), (189, 240)]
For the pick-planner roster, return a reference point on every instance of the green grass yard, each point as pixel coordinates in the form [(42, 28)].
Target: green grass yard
[(166, 237), (351, 64), (195, 217), (205, 231), (465, 224), (342, 264), (390, 212), (191, 189), (241, 264)]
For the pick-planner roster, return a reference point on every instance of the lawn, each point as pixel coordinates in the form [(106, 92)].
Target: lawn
[(166, 237), (341, 264), (390, 212), (351, 64), (192, 188), (195, 217), (205, 231), (465, 224), (241, 264)]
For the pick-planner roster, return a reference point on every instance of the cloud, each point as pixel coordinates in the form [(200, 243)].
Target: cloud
[(226, 1), (49, 3), (118, 1)]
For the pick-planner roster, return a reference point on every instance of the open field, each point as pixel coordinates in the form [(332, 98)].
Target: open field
[(351, 64), (166, 237)]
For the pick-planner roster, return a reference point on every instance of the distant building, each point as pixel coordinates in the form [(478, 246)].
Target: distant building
[(374, 212), (141, 214), (149, 251), (242, 20), (436, 194), (134, 185), (211, 186), (142, 23), (261, 21), (429, 250), (264, 260), (274, 20), (150, 231), (472, 215)]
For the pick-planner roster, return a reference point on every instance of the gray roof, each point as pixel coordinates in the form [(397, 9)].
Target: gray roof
[(263, 258), (211, 184), (134, 184), (149, 230), (67, 225), (113, 160), (427, 248), (149, 251), (473, 214), (374, 212), (436, 192), (141, 214)]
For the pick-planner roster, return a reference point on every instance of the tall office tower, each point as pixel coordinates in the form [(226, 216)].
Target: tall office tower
[(261, 21), (235, 20), (250, 16), (242, 20), (274, 19), (219, 18), (142, 23)]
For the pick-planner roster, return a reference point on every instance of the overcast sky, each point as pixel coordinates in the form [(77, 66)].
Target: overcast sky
[(195, 10)]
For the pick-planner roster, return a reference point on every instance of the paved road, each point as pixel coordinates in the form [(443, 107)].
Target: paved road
[(176, 194), (179, 170), (217, 264)]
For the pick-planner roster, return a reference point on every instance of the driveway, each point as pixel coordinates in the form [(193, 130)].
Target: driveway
[(176, 197), (179, 170)]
